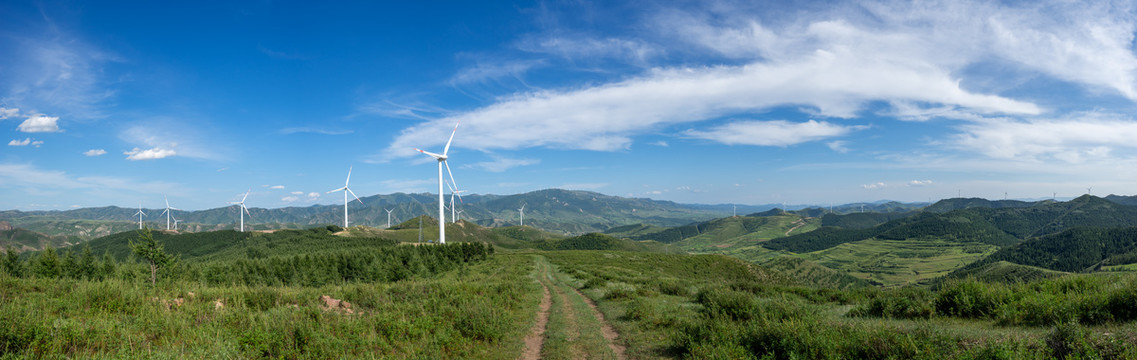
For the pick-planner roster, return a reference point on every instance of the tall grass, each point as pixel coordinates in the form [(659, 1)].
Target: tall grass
[(477, 311)]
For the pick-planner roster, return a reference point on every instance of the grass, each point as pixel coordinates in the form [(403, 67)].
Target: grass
[(735, 233), (478, 311), (900, 262)]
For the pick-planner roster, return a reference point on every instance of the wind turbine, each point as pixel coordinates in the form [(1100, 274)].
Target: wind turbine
[(346, 190), (441, 201), (176, 224), (243, 210), (459, 217), (389, 217), (168, 212), (140, 214), (453, 210), (522, 212)]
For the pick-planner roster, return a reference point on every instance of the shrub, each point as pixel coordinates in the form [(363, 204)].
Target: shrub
[(970, 299), (736, 305), (620, 291)]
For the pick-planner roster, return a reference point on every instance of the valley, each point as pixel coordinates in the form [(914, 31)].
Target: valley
[(967, 280)]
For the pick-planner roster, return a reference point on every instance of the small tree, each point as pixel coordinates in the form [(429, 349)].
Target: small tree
[(47, 264), (153, 253), (12, 263), (87, 267)]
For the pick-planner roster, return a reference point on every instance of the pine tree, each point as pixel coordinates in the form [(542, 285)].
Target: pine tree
[(152, 252), (47, 264), (67, 265), (108, 268), (87, 267), (12, 263)]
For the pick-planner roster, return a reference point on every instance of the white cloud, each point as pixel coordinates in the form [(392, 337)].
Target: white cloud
[(39, 123), (192, 141), (1082, 137), (297, 193), (148, 154), (313, 195), (276, 187), (289, 199), (661, 143), (919, 183), (25, 142), (500, 164), (95, 152), (771, 133), (838, 146), (877, 185), (8, 113)]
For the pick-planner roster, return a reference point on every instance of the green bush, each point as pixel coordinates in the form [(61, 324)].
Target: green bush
[(970, 299)]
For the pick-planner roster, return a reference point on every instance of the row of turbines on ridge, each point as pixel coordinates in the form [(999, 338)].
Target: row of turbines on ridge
[(454, 213)]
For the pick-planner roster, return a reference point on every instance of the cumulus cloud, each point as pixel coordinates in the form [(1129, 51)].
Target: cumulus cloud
[(313, 195), (297, 193), (95, 152), (919, 183), (276, 187), (771, 133), (148, 154), (289, 199), (40, 123), (25, 142)]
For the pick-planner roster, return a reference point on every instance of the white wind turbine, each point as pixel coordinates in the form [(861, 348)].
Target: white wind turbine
[(176, 223), (441, 200), (168, 212), (453, 210), (243, 210), (521, 212), (389, 217), (140, 214), (346, 190)]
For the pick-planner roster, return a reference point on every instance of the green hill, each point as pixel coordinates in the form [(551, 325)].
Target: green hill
[(26, 240), (1073, 250), (808, 272), (1006, 272)]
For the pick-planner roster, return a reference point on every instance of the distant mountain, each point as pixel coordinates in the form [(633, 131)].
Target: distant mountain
[(999, 226), (22, 240), (562, 211), (947, 205)]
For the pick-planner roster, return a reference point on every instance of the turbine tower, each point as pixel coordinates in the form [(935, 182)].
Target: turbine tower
[(243, 210), (346, 190), (389, 217), (441, 200), (140, 214), (522, 212), (168, 212)]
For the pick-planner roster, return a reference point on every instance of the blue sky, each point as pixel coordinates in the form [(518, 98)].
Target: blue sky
[(695, 102)]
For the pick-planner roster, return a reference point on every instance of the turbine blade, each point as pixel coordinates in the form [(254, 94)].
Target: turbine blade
[(446, 150), (164, 212), (167, 201), (353, 194), (246, 210), (246, 195), (433, 155), (340, 189), (449, 173), (348, 177)]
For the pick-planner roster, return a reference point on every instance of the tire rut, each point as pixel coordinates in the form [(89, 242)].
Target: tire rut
[(535, 341), (606, 329)]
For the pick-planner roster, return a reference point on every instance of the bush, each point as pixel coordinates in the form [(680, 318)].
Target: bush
[(970, 299), (901, 305), (620, 291), (733, 304)]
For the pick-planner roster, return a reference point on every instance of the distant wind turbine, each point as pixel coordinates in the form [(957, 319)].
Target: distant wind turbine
[(140, 214), (454, 209), (389, 217), (243, 210), (441, 201), (176, 223), (168, 212), (1090, 191), (521, 212), (346, 190), (459, 217)]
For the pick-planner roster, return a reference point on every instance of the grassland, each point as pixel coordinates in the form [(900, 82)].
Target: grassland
[(900, 262)]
